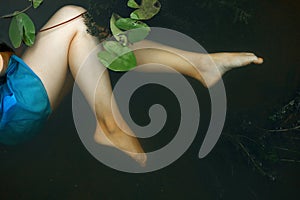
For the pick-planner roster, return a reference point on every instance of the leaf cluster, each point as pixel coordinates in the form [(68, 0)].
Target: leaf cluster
[(116, 55)]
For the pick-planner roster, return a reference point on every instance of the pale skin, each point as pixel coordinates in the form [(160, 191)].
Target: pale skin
[(60, 54)]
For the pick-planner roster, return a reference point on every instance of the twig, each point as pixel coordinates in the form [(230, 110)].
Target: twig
[(15, 13), (252, 160), (285, 149), (252, 140), (296, 128), (289, 160), (284, 130)]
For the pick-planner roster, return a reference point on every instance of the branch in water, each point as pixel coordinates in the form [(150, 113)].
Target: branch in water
[(15, 13), (289, 160), (283, 130)]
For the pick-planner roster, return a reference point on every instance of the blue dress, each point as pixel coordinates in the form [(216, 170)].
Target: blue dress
[(24, 103)]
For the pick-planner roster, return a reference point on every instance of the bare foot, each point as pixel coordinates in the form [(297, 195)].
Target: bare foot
[(122, 141), (213, 66)]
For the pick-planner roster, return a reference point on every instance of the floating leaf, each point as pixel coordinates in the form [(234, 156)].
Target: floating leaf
[(136, 35), (22, 28), (137, 29), (117, 57), (29, 29), (147, 10), (36, 3), (106, 58), (117, 33), (132, 4), (128, 24), (15, 32), (114, 29)]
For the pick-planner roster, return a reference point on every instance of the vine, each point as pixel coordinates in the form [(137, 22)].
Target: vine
[(22, 28)]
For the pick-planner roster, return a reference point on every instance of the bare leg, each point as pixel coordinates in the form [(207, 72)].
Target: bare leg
[(207, 68), (65, 49), (62, 50)]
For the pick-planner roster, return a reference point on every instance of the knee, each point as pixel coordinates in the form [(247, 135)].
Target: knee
[(68, 12)]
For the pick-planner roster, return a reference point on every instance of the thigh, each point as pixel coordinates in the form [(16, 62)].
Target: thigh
[(48, 57)]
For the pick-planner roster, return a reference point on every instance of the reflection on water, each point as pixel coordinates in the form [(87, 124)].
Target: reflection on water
[(56, 165)]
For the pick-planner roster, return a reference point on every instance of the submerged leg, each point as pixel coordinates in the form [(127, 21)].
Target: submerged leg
[(68, 49), (207, 68)]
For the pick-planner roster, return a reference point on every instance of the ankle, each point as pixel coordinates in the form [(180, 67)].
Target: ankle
[(108, 124)]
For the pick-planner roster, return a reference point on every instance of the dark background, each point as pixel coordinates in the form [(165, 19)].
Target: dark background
[(55, 164)]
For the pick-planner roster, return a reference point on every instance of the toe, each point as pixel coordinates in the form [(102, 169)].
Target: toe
[(140, 158), (258, 61)]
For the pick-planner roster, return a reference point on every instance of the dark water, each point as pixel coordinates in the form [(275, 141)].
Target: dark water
[(55, 164)]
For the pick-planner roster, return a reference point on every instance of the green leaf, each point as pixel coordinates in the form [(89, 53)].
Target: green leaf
[(15, 32), (21, 28), (136, 35), (147, 10), (128, 24), (36, 3), (114, 29), (117, 57), (132, 4), (29, 29), (137, 29), (117, 33), (106, 58)]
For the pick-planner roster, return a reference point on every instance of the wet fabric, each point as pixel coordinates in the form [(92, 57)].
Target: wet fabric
[(24, 103)]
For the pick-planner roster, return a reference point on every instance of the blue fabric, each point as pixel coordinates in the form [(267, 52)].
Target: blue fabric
[(24, 103)]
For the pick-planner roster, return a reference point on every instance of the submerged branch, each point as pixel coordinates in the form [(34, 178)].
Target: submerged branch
[(251, 158), (289, 160), (296, 128), (16, 13), (284, 130), (285, 149)]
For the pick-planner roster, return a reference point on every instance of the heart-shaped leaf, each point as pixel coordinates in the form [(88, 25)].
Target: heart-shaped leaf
[(114, 29), (147, 10), (137, 29), (132, 4), (117, 57), (128, 24), (36, 3), (136, 35), (117, 33), (29, 29), (21, 28)]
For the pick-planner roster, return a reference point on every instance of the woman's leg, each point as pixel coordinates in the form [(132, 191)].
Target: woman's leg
[(64, 50), (207, 68)]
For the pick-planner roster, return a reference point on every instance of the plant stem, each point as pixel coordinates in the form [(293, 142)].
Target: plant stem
[(16, 13), (252, 160), (283, 130), (289, 160), (296, 128), (285, 149), (251, 140)]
